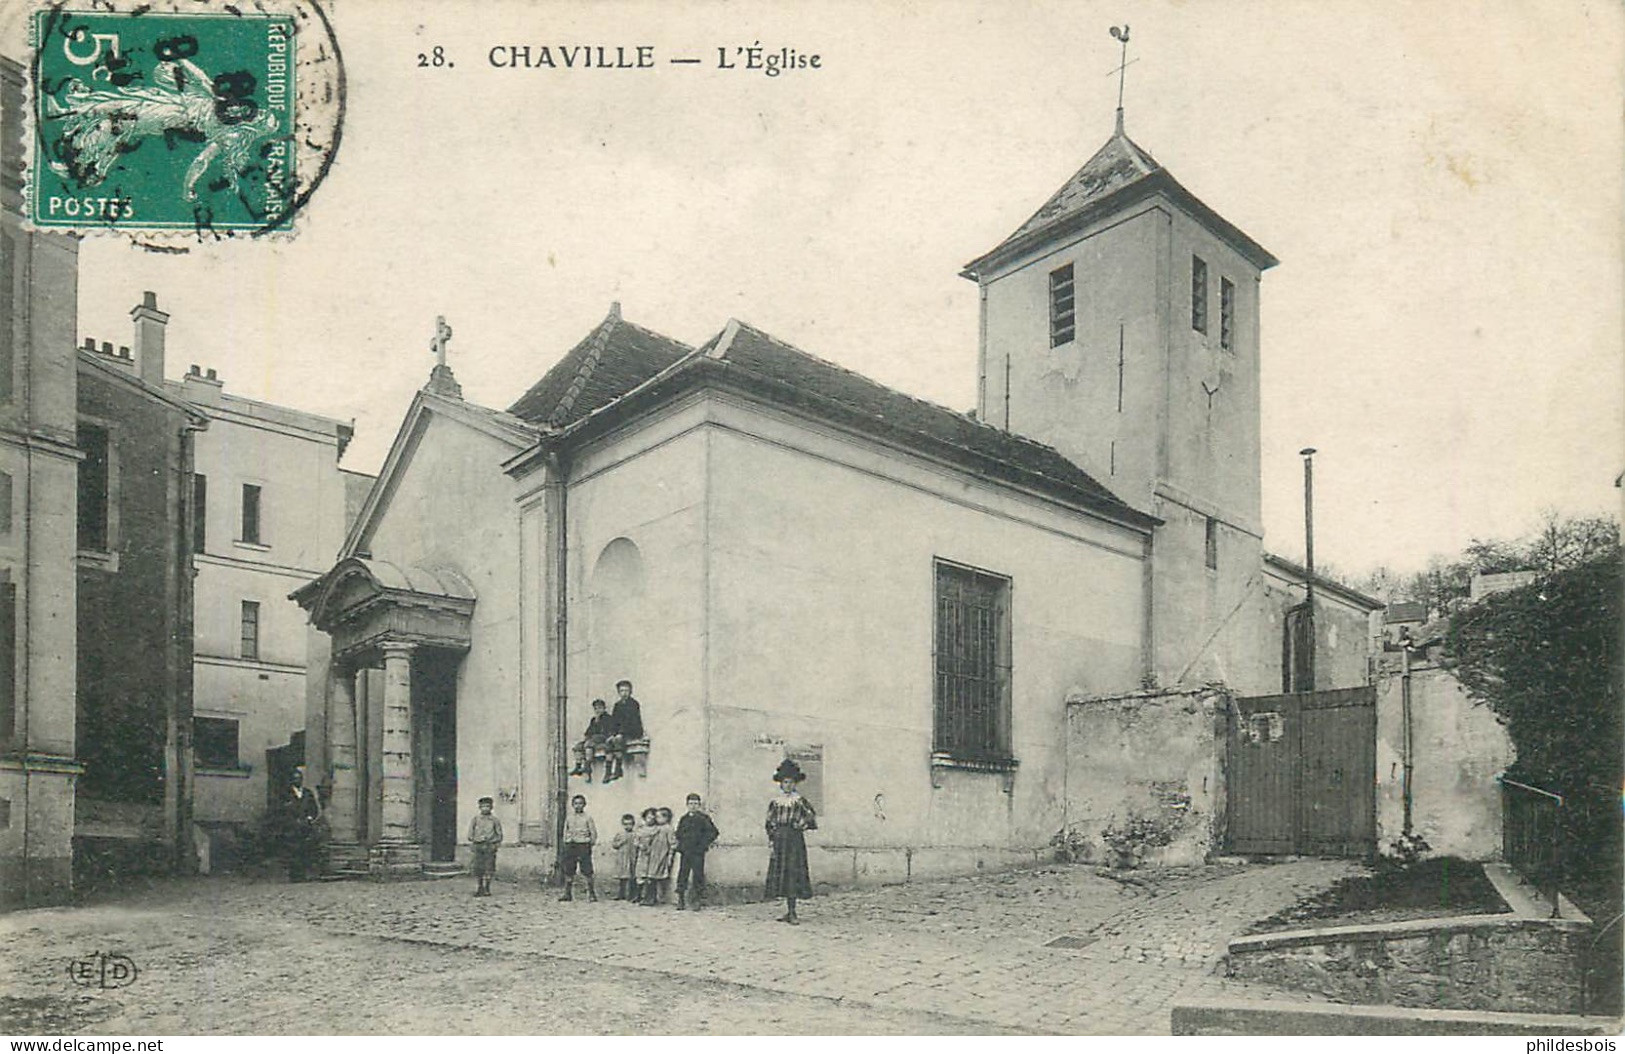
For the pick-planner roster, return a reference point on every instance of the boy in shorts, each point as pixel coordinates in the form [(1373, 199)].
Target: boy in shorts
[(485, 836), (580, 835)]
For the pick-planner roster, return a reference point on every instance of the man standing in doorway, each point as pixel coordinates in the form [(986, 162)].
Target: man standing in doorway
[(626, 725), (301, 811)]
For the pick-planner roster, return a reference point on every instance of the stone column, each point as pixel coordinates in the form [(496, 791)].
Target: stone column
[(343, 808), (397, 850)]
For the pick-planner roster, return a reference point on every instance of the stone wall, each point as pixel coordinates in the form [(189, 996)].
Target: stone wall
[(1145, 776), (1459, 750), (1483, 962)]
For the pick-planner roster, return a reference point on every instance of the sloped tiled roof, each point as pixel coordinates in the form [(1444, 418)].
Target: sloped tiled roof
[(1114, 166), (610, 361), (1119, 174), (788, 376), (806, 379)]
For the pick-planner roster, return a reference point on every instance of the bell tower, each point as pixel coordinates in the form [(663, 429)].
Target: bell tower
[(1120, 325)]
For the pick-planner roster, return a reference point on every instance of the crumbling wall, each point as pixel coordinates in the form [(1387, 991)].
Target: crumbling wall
[(1144, 776)]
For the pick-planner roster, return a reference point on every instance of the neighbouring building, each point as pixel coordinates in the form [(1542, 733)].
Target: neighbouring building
[(135, 609), (272, 506), (39, 276), (788, 559)]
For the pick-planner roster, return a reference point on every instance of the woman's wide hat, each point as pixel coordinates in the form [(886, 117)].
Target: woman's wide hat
[(789, 770)]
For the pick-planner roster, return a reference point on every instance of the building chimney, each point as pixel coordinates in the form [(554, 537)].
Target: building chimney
[(202, 388), (149, 339)]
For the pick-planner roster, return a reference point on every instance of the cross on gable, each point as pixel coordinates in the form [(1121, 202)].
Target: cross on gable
[(442, 334)]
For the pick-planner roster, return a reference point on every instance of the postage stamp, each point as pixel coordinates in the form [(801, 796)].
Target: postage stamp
[(206, 121)]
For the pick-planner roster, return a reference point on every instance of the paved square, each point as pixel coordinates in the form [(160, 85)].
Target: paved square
[(969, 955)]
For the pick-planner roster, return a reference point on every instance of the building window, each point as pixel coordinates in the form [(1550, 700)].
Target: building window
[(95, 477), (1227, 314), (251, 514), (1062, 307), (1212, 544), (214, 743), (200, 510), (1198, 294), (972, 664), (251, 630), (5, 503)]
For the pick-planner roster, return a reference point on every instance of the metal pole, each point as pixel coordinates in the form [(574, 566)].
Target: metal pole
[(1308, 454), (1410, 746)]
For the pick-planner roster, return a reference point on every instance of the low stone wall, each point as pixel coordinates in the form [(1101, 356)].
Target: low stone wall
[(1145, 776), (1469, 962), (1267, 1018)]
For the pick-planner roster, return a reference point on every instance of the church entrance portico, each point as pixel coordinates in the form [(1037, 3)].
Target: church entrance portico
[(392, 752)]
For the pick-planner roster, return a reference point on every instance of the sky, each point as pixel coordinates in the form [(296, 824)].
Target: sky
[(1442, 183)]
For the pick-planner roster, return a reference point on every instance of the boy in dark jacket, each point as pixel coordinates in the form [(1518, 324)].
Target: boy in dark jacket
[(594, 742), (695, 833)]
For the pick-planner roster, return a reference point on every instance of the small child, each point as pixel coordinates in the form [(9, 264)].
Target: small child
[(580, 835), (593, 741), (625, 858), (662, 847), (695, 833), (643, 845), (485, 835)]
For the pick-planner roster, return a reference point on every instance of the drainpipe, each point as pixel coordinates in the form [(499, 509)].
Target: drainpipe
[(1407, 744), (558, 523), (1308, 454)]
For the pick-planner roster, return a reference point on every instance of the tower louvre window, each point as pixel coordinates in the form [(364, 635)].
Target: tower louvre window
[(1211, 544), (1062, 307), (1199, 294), (1227, 314)]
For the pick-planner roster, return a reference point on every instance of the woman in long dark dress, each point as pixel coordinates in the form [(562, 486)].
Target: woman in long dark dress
[(789, 816)]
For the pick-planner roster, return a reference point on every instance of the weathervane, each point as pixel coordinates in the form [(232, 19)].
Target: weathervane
[(1120, 33), (442, 333)]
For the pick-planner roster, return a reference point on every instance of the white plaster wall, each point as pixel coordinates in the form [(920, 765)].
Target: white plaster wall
[(644, 485), (453, 508), (301, 494), (822, 616), (1460, 750), (220, 591), (268, 706), (1066, 396), (1212, 445)]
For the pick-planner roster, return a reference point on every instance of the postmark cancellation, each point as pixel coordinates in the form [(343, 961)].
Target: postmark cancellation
[(204, 120)]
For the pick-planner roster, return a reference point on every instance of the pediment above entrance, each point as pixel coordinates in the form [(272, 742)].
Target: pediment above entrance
[(364, 602)]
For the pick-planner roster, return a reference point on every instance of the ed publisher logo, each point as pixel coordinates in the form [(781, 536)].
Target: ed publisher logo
[(102, 970)]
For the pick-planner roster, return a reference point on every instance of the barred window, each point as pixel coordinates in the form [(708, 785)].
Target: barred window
[(972, 664), (1198, 294), (1062, 307), (1227, 314)]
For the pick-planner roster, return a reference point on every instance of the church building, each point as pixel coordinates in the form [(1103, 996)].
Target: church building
[(788, 559)]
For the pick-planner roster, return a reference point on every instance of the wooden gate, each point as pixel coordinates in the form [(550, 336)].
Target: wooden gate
[(1303, 774)]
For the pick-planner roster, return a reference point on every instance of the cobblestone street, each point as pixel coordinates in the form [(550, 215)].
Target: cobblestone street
[(966, 955)]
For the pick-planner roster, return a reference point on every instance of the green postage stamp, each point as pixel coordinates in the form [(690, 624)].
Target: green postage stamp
[(205, 121)]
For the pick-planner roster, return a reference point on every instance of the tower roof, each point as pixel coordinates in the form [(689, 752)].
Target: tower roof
[(1119, 174)]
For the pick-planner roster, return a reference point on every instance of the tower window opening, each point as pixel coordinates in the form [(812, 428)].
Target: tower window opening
[(1227, 314), (1198, 294), (1062, 307), (1212, 544)]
